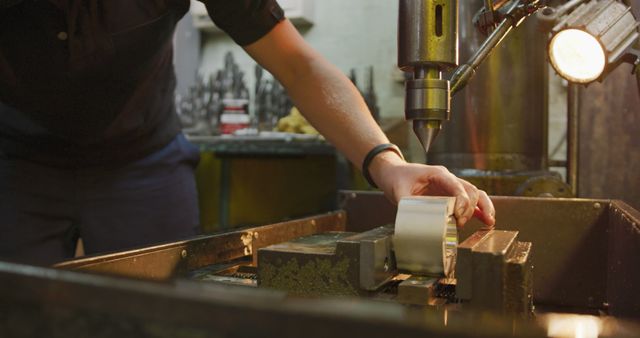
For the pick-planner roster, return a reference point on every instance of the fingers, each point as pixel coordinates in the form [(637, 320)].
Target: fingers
[(413, 179), (465, 193), (473, 195), (488, 211)]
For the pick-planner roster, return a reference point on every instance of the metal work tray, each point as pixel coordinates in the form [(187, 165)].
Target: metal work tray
[(585, 255)]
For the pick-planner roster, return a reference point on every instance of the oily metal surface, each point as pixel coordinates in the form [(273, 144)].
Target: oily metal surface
[(176, 259), (623, 275), (329, 264), (44, 302)]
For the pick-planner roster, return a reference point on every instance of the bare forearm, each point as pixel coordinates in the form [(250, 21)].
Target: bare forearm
[(335, 107), (322, 92)]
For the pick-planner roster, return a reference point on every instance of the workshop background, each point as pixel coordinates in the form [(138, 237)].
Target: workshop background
[(294, 255), (360, 36)]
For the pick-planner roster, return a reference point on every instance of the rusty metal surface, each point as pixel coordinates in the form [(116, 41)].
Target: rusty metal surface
[(586, 249), (310, 266), (518, 279), (329, 264), (623, 261), (569, 237), (609, 161), (175, 259), (44, 302)]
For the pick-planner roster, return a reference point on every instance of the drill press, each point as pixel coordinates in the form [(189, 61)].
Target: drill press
[(427, 46)]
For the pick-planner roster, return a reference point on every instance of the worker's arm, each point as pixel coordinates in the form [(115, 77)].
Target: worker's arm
[(333, 105)]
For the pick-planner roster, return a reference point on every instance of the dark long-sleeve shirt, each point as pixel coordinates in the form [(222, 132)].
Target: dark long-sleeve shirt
[(91, 82)]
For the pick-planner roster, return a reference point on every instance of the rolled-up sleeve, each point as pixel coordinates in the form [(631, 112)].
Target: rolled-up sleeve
[(245, 21)]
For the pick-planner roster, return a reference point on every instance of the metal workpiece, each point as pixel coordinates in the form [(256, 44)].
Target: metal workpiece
[(494, 272), (330, 264), (417, 290), (427, 34), (426, 236)]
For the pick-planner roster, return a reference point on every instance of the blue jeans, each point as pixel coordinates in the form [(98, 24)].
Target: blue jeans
[(44, 210)]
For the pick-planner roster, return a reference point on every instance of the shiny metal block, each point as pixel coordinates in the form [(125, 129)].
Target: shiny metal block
[(494, 272)]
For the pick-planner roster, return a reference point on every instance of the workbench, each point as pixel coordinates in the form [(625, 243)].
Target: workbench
[(248, 180)]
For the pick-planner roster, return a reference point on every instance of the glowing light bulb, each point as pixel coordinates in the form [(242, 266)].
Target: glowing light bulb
[(577, 55)]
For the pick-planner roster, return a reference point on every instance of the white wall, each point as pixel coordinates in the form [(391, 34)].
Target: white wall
[(351, 34)]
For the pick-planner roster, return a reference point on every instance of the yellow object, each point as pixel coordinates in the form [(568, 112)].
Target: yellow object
[(296, 123)]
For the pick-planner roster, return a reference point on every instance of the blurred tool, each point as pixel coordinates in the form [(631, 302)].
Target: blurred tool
[(201, 110), (235, 99), (271, 101)]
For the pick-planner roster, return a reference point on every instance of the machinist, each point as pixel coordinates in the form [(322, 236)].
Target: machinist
[(90, 144)]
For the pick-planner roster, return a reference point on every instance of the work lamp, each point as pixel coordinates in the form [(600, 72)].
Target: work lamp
[(592, 39)]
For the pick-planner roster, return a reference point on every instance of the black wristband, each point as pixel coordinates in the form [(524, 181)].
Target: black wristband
[(372, 154)]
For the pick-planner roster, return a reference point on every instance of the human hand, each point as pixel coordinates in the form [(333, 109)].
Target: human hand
[(398, 179)]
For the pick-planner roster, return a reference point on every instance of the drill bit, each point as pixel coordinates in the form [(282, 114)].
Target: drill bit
[(426, 131)]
